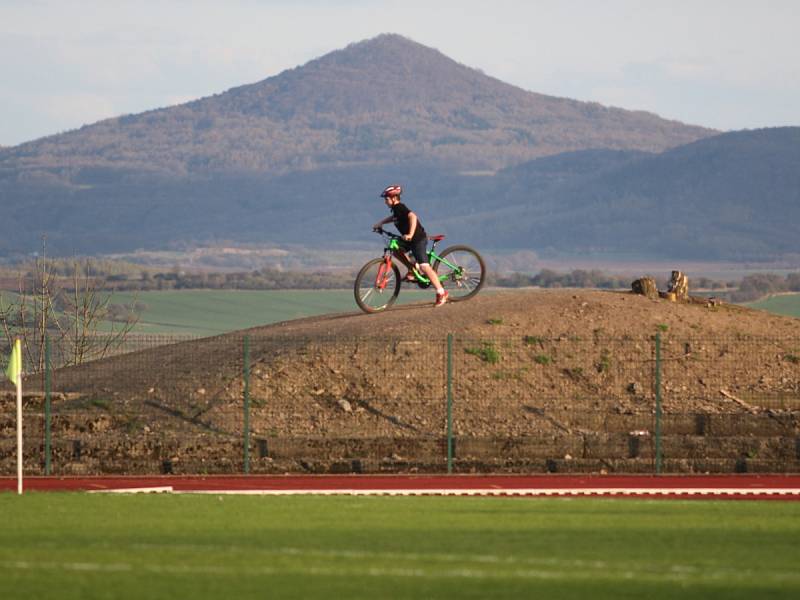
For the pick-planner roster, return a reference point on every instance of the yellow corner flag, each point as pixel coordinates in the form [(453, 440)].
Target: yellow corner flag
[(14, 370)]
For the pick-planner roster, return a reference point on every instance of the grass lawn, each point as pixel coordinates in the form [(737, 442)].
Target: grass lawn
[(75, 545)]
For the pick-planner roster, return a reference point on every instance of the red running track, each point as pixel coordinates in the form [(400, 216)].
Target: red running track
[(744, 486)]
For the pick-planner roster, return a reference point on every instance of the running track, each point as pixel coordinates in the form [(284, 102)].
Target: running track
[(745, 486)]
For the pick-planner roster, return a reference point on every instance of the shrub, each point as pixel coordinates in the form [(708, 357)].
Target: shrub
[(487, 352)]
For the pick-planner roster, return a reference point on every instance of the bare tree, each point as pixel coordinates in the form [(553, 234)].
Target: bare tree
[(72, 312)]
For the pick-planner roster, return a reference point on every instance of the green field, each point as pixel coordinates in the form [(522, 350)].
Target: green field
[(77, 545), (785, 304), (209, 312)]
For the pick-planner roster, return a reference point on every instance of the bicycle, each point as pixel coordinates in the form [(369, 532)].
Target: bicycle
[(461, 271)]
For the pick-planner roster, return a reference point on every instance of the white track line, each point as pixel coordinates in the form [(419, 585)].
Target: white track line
[(140, 490), (512, 492)]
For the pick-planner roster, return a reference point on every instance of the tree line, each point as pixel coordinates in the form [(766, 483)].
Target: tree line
[(754, 287), (117, 276)]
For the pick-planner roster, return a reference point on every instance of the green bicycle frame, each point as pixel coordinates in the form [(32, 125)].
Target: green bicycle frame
[(394, 245)]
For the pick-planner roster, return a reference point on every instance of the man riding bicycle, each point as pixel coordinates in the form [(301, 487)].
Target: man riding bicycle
[(415, 239)]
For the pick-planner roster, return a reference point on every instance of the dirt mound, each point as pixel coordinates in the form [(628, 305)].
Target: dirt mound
[(535, 377)]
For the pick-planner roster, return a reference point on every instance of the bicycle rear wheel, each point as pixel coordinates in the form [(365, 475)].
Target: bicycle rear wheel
[(461, 271), (376, 288)]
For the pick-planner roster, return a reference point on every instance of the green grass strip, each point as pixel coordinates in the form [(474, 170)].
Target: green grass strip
[(73, 545)]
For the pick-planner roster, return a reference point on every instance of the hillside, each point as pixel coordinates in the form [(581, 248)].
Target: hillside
[(384, 100), (357, 356), (556, 368), (557, 316), (726, 197), (299, 158)]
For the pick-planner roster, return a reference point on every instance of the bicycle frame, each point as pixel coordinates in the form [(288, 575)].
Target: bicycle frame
[(378, 283), (394, 247)]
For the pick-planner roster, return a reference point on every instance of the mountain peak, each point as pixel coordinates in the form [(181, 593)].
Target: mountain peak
[(388, 46), (383, 100), (385, 40), (386, 72)]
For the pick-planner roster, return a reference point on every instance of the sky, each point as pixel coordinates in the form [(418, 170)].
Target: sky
[(724, 64)]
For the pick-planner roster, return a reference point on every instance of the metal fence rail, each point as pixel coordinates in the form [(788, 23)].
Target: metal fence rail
[(248, 403)]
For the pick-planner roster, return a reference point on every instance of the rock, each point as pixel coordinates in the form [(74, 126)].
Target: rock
[(634, 388), (344, 405)]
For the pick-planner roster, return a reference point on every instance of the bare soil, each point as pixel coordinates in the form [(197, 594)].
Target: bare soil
[(563, 375)]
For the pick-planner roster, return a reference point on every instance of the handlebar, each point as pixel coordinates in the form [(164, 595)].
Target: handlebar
[(389, 234)]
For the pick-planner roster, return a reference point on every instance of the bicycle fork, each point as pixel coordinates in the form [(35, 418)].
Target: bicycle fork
[(384, 272)]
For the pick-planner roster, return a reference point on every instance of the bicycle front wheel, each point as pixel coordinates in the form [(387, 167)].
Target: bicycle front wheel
[(461, 271), (377, 286)]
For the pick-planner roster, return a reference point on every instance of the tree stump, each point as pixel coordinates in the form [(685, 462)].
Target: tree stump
[(679, 285), (645, 286)]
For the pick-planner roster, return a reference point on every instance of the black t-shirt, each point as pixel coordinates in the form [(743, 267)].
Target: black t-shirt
[(401, 221)]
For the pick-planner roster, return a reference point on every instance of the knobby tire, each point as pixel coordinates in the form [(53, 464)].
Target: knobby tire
[(370, 299), (472, 280)]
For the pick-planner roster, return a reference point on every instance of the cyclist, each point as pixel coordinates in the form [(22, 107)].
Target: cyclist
[(414, 237)]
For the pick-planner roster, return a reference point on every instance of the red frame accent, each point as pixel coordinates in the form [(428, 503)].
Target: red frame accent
[(383, 273)]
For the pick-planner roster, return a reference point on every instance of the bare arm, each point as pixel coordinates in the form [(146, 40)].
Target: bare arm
[(412, 226), (383, 222)]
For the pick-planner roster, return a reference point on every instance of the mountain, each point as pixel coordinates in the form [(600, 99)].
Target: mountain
[(387, 100), (734, 196), (299, 158)]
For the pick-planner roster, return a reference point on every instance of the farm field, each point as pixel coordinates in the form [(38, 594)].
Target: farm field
[(210, 312), (213, 546), (784, 304)]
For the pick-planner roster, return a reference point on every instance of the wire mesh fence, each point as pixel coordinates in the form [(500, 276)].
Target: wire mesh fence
[(253, 403)]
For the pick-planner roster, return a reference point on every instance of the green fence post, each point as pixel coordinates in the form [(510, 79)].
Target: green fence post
[(47, 392), (658, 403), (247, 404), (449, 402)]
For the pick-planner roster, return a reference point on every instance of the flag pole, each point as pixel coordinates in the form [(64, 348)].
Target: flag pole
[(18, 381), (14, 373), (19, 434)]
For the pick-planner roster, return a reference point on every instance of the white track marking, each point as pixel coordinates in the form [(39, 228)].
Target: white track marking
[(164, 489), (510, 492)]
